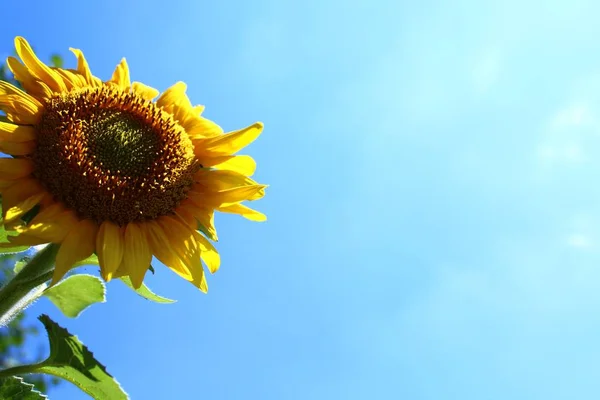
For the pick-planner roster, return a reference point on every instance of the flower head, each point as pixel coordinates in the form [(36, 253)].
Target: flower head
[(99, 167)]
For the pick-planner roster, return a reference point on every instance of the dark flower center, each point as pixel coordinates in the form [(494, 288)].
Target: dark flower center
[(111, 155)]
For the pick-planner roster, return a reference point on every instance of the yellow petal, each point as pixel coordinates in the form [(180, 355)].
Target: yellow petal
[(186, 216), (198, 127), (226, 197), (23, 240), (175, 101), (78, 244), (52, 230), (4, 183), (162, 250), (180, 237), (7, 88), (199, 217), (222, 180), (170, 237), (22, 207), (137, 254), (15, 168), (198, 275), (206, 220), (48, 213), (244, 211), (19, 110), (38, 68), (16, 133), (224, 187), (19, 106), (209, 254), (20, 71), (121, 75), (199, 280), (198, 109), (172, 95), (109, 247), (229, 143), (71, 78), (33, 86), (121, 271), (20, 198), (144, 91), (244, 165), (83, 68), (184, 241), (17, 149)]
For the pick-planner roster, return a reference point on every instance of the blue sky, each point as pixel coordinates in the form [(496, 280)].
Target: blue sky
[(433, 211)]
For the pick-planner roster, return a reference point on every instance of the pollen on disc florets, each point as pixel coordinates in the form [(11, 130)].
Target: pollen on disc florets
[(112, 156)]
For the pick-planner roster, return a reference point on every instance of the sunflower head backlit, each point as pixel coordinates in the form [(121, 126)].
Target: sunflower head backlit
[(103, 169)]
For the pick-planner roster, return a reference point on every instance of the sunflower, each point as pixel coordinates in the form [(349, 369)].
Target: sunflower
[(99, 167)]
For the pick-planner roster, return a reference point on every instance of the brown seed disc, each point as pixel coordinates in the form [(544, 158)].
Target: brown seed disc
[(113, 156)]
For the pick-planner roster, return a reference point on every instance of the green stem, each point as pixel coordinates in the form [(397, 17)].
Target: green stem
[(27, 285), (20, 370)]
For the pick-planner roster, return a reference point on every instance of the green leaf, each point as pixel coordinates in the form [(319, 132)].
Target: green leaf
[(91, 260), (20, 264), (143, 291), (4, 239), (146, 293), (15, 388), (71, 360), (76, 293), (57, 61)]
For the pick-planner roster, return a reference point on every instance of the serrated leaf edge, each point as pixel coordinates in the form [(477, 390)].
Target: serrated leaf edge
[(48, 324), (28, 385)]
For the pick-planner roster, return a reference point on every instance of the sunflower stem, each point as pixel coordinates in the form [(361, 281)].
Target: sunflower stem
[(19, 370), (27, 285)]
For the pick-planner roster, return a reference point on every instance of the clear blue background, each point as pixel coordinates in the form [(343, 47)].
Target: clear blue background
[(434, 205)]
